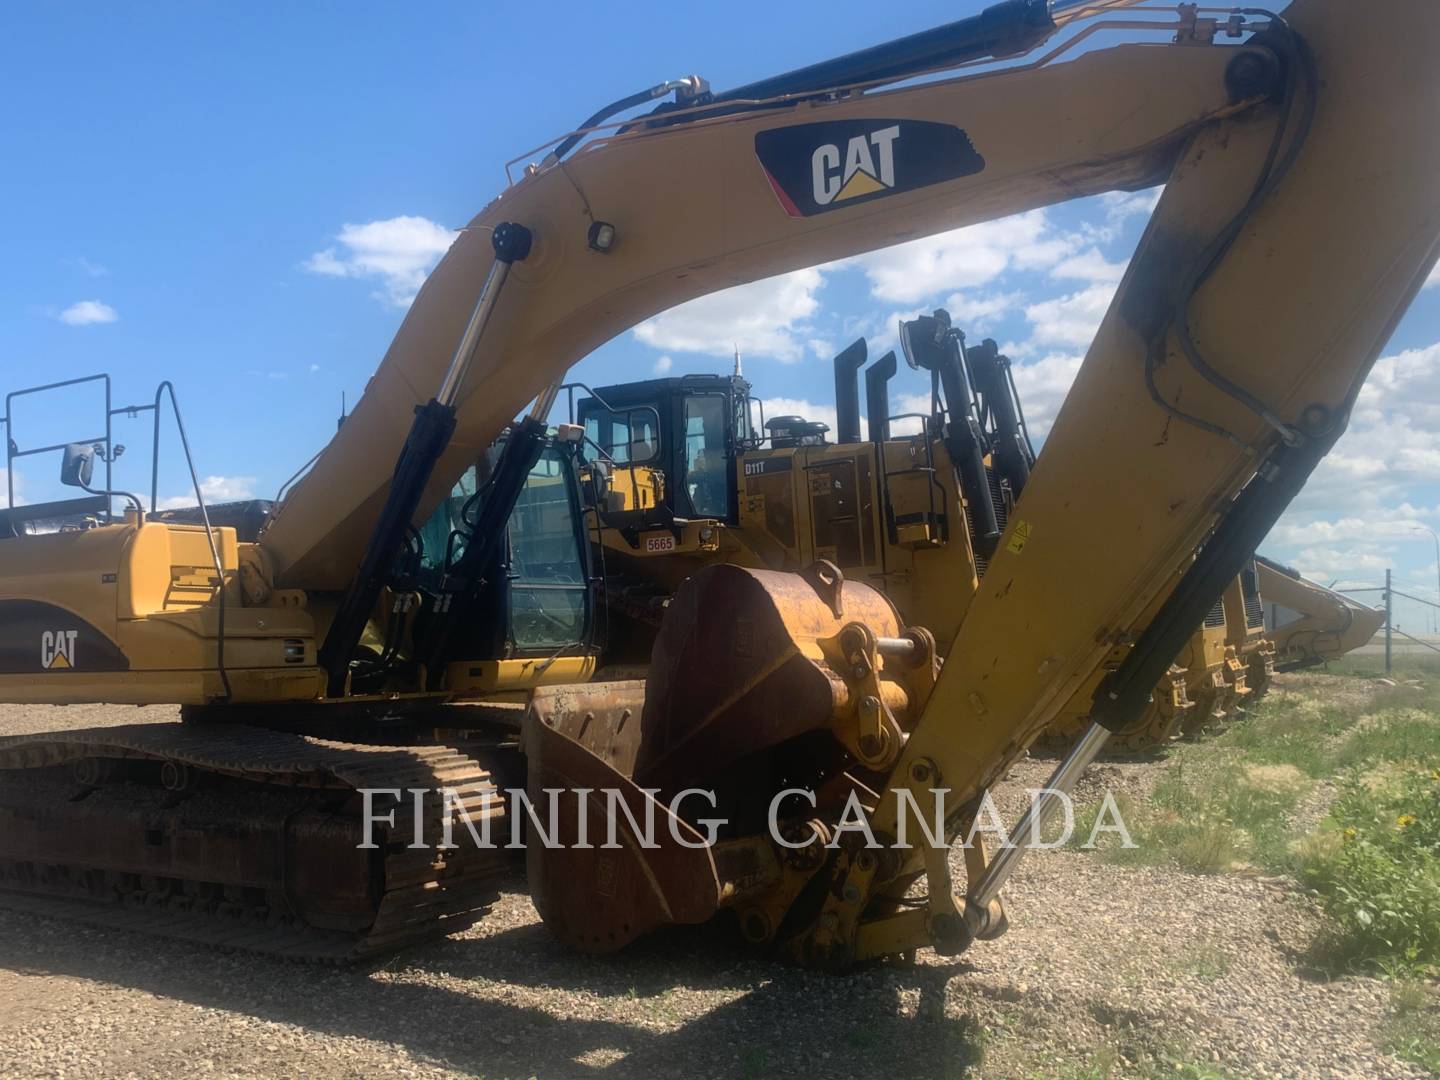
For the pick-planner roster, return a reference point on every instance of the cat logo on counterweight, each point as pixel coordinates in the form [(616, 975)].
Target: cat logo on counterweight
[(813, 168), (57, 649)]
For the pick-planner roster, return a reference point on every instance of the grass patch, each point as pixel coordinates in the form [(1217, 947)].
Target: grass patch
[(1210, 811), (1413, 1031), (1372, 666), (1205, 962), (1402, 734), (1132, 1063), (1380, 882), (1374, 861)]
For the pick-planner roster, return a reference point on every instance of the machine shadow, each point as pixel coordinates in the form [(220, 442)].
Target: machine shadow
[(778, 1021)]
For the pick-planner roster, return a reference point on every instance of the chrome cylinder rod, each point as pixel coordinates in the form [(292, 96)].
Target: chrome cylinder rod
[(544, 402), (512, 244), (1062, 782)]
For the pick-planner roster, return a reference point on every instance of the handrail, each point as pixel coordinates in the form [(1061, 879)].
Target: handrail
[(13, 451), (164, 388), (729, 110)]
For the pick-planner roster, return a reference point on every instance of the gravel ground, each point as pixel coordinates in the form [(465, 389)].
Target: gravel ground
[(1099, 960)]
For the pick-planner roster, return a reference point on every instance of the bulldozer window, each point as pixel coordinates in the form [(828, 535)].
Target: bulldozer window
[(707, 466), (628, 436)]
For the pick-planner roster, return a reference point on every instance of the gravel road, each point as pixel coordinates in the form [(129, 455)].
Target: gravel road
[(1101, 964)]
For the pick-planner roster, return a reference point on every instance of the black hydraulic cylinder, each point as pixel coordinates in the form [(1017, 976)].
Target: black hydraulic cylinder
[(1124, 694), (877, 396), (429, 435), (1010, 448), (1004, 29), (931, 343), (464, 580), (847, 391), (966, 444)]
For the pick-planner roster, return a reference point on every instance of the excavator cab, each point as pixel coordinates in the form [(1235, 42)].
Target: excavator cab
[(536, 600)]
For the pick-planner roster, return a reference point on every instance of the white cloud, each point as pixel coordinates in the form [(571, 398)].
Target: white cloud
[(1434, 278), (1090, 266), (1373, 478), (1393, 440), (399, 251), (1121, 206), (216, 489), (967, 308), (908, 403), (1070, 321), (1042, 385), (1327, 564), (314, 369), (88, 267), (1399, 523), (763, 318), (663, 364), (19, 487), (88, 313), (963, 258)]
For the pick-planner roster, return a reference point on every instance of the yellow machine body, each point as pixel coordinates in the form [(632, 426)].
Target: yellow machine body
[(135, 606)]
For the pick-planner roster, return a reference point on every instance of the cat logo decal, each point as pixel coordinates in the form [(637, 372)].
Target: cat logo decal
[(815, 168), (57, 649)]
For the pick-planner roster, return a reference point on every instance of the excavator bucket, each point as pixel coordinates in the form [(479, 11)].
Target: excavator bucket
[(624, 866), (741, 668)]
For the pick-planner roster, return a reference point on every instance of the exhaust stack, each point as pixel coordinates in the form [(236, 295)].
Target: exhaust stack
[(877, 396), (847, 392)]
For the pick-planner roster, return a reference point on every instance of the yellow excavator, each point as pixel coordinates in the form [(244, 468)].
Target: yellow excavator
[(335, 672), (1309, 623)]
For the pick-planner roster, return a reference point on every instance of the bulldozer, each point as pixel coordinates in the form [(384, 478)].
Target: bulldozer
[(364, 708), (683, 476)]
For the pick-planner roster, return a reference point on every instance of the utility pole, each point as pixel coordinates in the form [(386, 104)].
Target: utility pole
[(1389, 619)]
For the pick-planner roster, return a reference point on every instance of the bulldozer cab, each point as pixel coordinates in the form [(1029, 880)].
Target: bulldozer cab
[(668, 447)]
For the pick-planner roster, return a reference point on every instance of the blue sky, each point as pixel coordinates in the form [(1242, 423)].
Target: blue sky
[(243, 199)]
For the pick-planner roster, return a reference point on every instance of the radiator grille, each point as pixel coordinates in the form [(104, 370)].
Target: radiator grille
[(997, 499), (1254, 604), (1216, 618)]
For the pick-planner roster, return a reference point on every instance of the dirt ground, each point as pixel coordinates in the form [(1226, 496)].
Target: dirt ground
[(1105, 971)]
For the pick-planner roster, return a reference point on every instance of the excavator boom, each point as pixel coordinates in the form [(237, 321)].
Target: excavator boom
[(728, 204)]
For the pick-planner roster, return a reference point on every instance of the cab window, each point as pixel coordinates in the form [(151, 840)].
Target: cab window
[(548, 589), (707, 468), (628, 436)]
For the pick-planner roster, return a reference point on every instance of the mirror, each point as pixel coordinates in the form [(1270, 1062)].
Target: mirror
[(79, 465)]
